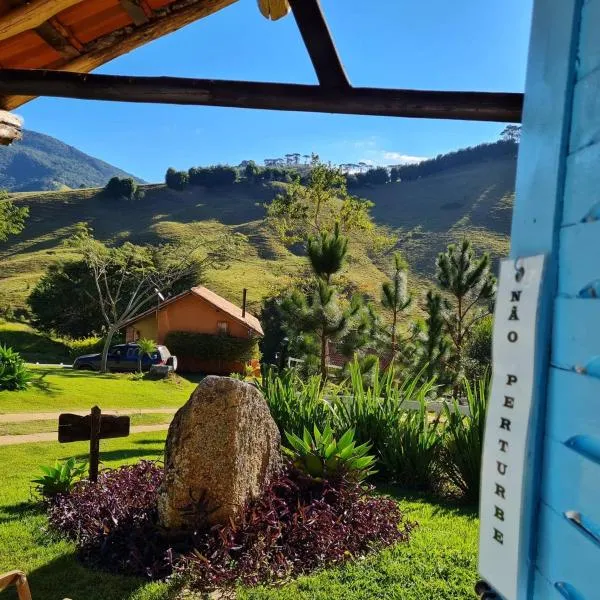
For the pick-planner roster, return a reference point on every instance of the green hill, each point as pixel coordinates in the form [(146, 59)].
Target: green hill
[(427, 213), (41, 162)]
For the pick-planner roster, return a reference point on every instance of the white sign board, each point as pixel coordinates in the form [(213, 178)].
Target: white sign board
[(507, 431)]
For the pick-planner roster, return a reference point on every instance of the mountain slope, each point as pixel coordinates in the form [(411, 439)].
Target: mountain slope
[(472, 199), (41, 162)]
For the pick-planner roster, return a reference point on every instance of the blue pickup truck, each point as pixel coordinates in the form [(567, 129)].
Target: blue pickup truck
[(124, 357)]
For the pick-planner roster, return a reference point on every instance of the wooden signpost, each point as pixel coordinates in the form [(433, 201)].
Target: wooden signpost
[(93, 427)]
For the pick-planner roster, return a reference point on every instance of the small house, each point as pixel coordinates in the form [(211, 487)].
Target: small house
[(206, 332)]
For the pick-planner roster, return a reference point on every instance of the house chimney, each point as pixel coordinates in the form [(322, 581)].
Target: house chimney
[(245, 293)]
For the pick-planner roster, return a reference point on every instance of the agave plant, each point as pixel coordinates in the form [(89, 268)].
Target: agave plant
[(323, 457), (60, 478)]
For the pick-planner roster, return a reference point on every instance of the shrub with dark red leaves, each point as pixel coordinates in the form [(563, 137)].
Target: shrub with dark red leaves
[(297, 525), (113, 521)]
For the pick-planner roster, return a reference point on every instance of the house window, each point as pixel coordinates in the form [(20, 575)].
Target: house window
[(222, 327)]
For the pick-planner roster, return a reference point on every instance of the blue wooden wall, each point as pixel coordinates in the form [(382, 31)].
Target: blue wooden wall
[(557, 212)]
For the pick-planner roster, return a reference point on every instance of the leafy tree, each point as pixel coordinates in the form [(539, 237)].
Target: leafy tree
[(251, 171), (176, 180), (12, 217), (478, 352), (432, 343), (145, 348), (126, 278), (394, 296), (302, 211), (511, 133), (218, 175), (271, 319), (169, 177), (469, 288)]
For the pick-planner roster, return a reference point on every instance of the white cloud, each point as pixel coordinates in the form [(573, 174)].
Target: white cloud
[(402, 159)]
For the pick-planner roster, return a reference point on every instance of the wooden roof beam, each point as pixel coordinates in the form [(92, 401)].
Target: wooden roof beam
[(54, 38), (319, 43), (31, 15), (120, 42), (470, 106)]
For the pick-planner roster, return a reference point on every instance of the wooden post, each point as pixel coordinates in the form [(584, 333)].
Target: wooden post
[(95, 442)]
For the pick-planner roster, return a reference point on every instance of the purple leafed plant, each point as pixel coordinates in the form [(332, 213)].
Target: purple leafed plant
[(297, 525)]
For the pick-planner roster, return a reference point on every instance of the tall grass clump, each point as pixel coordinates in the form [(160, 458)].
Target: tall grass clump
[(463, 440), (296, 405), (406, 441)]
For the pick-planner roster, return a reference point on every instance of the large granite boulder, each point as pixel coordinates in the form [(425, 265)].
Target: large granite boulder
[(222, 449)]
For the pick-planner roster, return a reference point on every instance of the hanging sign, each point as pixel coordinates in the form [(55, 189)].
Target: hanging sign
[(507, 433)]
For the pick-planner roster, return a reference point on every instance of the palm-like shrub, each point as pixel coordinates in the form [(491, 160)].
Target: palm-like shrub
[(145, 348), (463, 440), (323, 457), (14, 374)]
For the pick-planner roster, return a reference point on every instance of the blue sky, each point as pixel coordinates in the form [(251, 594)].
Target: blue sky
[(430, 44)]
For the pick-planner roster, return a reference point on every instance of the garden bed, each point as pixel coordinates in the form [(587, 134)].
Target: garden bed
[(438, 562)]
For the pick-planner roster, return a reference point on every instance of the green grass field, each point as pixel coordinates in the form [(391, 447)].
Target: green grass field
[(54, 390), (439, 561), (474, 200)]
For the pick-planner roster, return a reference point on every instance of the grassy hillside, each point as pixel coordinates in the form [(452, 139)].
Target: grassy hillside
[(427, 214), (41, 162)]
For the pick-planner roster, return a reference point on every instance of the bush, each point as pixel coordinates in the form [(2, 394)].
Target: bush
[(463, 440), (113, 521), (14, 374), (296, 526), (89, 345), (60, 478), (118, 187), (324, 457), (478, 353), (218, 175), (204, 346)]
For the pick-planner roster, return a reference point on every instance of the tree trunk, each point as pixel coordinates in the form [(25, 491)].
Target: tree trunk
[(109, 336), (394, 333), (324, 357)]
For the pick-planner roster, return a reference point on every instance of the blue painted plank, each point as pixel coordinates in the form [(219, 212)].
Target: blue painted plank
[(567, 555), (582, 185), (585, 127), (546, 119), (589, 40), (544, 589), (538, 212), (571, 482), (573, 405), (579, 259), (576, 332)]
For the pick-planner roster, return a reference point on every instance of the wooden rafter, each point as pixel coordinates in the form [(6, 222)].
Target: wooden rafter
[(473, 106), (136, 11), (124, 40), (50, 34), (319, 43), (31, 15)]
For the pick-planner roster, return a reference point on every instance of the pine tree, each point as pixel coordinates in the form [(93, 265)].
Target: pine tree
[(469, 288), (316, 318), (433, 342), (394, 296)]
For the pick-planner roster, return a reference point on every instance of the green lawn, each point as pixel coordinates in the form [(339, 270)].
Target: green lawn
[(46, 425), (55, 390), (439, 562)]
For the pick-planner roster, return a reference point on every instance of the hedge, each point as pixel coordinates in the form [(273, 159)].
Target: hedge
[(205, 346)]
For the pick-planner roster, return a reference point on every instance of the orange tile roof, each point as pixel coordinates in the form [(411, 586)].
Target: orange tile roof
[(228, 307)]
